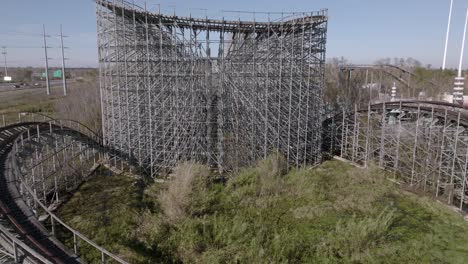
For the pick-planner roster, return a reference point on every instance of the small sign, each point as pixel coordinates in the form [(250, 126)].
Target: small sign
[(57, 74), (7, 78)]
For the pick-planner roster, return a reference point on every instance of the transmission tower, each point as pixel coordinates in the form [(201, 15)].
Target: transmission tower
[(4, 52)]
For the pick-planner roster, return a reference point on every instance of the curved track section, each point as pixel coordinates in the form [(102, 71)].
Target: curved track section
[(40, 164), (396, 72), (424, 144)]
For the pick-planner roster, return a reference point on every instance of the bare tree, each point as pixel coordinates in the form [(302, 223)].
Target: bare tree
[(82, 104)]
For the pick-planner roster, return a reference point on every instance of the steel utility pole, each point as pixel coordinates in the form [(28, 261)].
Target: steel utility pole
[(64, 79), (447, 36), (4, 57), (460, 80), (46, 61)]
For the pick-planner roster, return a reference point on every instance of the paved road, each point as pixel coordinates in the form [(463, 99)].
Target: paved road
[(4, 87)]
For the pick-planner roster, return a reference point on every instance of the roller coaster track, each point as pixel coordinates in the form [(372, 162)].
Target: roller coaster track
[(389, 69), (424, 144), (39, 162)]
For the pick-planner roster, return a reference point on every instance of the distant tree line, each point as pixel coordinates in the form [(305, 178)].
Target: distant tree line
[(344, 87)]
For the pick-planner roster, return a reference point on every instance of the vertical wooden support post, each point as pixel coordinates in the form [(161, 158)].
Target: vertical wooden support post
[(397, 150), (464, 178), (442, 147), (127, 109), (280, 82), (251, 38), (80, 146), (332, 137), (220, 107), (355, 134), (38, 134), (52, 223), (368, 134), (33, 176), (208, 90), (382, 137), (56, 190), (75, 244), (343, 133), (15, 253), (415, 145), (267, 87), (148, 87), (450, 194), (290, 92), (429, 150)]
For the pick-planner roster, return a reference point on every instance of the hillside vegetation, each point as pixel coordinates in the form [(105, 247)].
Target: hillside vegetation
[(335, 213)]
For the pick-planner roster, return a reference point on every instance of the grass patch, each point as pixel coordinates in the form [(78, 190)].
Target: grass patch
[(335, 213), (106, 208)]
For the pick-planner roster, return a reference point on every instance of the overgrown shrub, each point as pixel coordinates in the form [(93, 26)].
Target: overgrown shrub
[(335, 213), (175, 199), (269, 172), (82, 104), (353, 238)]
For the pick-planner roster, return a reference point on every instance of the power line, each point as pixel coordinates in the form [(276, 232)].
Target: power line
[(23, 47), (34, 47), (20, 34)]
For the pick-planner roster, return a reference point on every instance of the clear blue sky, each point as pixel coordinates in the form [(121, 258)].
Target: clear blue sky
[(360, 30)]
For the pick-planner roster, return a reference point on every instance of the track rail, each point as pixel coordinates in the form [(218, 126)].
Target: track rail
[(234, 26), (17, 250), (36, 243), (387, 69), (15, 211)]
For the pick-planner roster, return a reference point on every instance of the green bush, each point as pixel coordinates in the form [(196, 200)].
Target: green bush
[(355, 237)]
